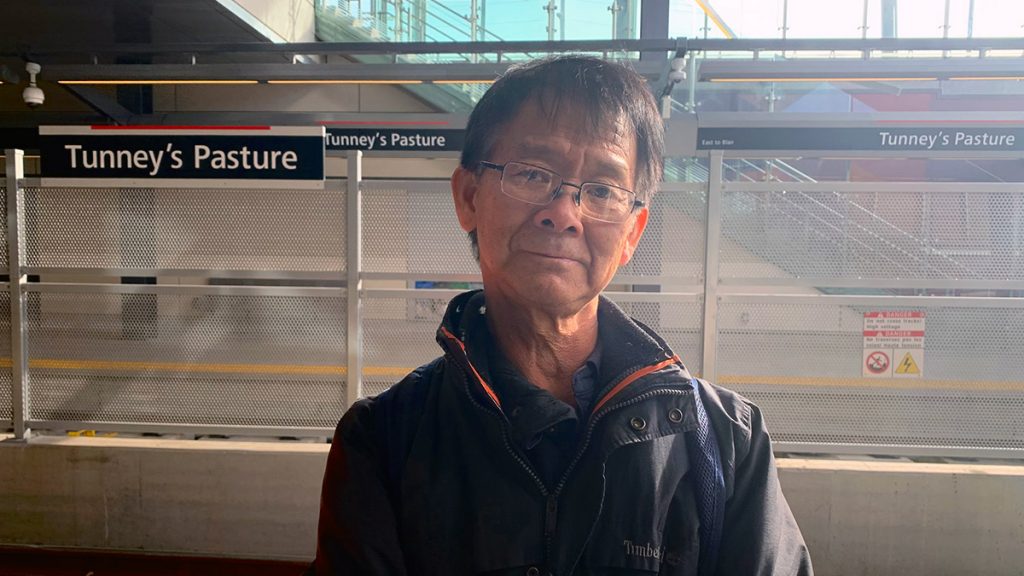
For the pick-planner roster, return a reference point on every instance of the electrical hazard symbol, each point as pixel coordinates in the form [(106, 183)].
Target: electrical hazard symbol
[(907, 365), (911, 366)]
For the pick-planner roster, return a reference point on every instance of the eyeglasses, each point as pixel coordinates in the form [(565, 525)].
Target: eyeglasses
[(540, 186)]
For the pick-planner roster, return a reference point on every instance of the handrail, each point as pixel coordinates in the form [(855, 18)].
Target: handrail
[(913, 239)]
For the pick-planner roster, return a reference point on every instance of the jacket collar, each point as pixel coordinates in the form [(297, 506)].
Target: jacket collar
[(630, 350)]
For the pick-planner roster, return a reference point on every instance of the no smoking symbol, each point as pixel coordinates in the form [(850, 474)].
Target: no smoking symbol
[(877, 362)]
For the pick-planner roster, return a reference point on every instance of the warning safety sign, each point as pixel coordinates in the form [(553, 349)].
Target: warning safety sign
[(894, 344), (910, 365)]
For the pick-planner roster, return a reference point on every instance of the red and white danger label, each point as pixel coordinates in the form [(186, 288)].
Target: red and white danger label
[(894, 344)]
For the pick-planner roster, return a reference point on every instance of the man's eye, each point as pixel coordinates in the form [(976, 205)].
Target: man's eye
[(601, 192), (531, 176)]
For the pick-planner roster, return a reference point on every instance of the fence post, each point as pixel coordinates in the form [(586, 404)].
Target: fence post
[(712, 233), (353, 286), (20, 409)]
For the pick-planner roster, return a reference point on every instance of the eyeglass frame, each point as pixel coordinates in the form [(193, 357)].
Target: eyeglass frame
[(577, 197)]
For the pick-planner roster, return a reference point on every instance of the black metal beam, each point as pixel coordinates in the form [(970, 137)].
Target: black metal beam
[(102, 103), (519, 47)]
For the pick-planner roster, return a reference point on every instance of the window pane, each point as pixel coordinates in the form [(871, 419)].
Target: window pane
[(958, 12), (920, 18), (817, 19), (998, 19), (746, 18)]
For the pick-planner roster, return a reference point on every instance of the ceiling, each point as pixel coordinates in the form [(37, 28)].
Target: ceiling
[(28, 26), (61, 32)]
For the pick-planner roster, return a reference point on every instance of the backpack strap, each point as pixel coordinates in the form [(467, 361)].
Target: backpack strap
[(709, 485), (397, 414)]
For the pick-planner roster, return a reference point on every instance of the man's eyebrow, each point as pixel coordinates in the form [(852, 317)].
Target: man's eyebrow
[(605, 168)]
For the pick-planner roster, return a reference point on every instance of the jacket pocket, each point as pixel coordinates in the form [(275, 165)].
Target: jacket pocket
[(648, 522)]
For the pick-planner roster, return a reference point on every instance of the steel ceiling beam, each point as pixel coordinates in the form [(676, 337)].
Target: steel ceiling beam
[(518, 47), (262, 72), (940, 68)]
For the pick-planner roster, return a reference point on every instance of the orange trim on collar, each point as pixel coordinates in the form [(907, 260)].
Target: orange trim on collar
[(632, 378), (487, 389)]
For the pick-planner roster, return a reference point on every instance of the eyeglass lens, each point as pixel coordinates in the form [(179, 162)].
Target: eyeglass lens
[(538, 186)]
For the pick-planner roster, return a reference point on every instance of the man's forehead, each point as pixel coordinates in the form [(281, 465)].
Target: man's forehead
[(537, 130), (545, 114)]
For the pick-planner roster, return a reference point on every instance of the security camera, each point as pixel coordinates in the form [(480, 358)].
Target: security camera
[(33, 95), (677, 75)]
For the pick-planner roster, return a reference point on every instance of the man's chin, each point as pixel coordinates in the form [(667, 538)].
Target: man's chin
[(554, 293)]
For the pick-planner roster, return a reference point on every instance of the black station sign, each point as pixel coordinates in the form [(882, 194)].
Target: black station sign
[(877, 138), (172, 156), (395, 139)]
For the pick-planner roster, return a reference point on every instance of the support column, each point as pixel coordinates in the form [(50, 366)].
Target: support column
[(712, 238), (654, 16), (353, 285), (20, 397)]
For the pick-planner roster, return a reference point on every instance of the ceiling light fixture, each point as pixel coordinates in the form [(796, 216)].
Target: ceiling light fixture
[(986, 77), (344, 81), (824, 79), (133, 82)]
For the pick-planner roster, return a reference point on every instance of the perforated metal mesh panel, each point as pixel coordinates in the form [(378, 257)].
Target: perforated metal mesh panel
[(673, 244), (678, 323), (259, 360), (885, 418), (929, 235), (414, 231), (6, 412), (803, 362), (400, 334), (252, 230), (3, 228)]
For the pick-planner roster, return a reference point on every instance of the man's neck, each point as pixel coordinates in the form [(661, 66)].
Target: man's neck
[(546, 347)]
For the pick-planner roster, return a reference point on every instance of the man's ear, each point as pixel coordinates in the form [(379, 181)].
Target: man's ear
[(633, 236), (465, 185)]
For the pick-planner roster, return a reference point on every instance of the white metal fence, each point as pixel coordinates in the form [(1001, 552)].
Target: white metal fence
[(273, 310)]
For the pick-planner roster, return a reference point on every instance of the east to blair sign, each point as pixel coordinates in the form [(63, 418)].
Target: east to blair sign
[(175, 156)]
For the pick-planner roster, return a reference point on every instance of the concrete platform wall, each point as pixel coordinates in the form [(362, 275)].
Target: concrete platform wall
[(258, 499)]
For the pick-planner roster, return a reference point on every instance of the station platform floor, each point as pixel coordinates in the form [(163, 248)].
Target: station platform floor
[(39, 561)]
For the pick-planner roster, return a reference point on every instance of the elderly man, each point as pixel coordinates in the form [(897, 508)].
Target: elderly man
[(556, 435)]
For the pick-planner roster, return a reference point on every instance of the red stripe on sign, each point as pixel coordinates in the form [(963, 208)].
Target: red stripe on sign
[(147, 127), (894, 314), (375, 123), (895, 333)]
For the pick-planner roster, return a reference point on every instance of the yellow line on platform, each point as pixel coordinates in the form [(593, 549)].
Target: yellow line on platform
[(400, 371), (221, 368), (888, 383), (59, 364)]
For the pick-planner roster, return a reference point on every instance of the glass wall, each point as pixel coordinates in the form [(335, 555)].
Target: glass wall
[(477, 20), (848, 19)]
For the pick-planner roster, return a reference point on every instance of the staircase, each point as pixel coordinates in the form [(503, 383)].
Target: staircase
[(783, 227), (409, 21)]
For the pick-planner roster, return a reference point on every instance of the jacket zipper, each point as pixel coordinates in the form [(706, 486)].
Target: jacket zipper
[(553, 497), (551, 505), (504, 435)]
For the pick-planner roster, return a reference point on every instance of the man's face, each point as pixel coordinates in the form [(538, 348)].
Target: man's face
[(550, 257)]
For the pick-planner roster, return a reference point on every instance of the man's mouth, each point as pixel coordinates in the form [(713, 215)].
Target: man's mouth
[(553, 255)]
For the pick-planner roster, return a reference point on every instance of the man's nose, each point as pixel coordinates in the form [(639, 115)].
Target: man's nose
[(563, 213)]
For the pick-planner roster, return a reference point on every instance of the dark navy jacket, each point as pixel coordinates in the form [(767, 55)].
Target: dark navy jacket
[(425, 480)]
